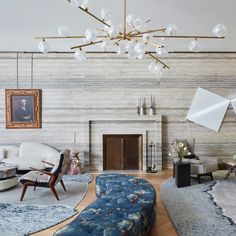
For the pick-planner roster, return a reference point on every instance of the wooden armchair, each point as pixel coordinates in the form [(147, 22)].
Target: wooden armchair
[(46, 179)]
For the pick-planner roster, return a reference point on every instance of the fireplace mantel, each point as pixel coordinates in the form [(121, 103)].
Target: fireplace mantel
[(101, 118), (124, 124)]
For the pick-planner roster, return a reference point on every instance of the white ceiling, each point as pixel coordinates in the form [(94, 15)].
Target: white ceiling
[(21, 21)]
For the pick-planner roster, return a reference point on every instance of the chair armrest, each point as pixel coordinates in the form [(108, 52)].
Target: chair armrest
[(42, 171), (49, 163)]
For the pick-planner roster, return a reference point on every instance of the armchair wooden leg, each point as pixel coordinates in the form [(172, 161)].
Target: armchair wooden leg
[(23, 191), (54, 192), (63, 185), (35, 187), (228, 173), (211, 176), (199, 178)]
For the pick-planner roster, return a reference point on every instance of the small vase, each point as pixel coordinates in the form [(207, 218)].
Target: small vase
[(151, 111), (141, 111), (138, 110), (180, 158)]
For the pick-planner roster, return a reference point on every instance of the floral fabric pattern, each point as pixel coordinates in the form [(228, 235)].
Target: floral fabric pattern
[(125, 205)]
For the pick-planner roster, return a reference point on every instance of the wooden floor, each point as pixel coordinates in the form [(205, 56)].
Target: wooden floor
[(163, 225)]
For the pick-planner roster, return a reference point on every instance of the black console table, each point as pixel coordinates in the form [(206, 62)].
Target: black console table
[(182, 174)]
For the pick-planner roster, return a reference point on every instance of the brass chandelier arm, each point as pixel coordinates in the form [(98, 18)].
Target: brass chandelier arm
[(89, 13), (132, 31), (60, 37), (118, 41), (92, 43), (153, 44), (95, 17), (157, 59), (147, 32), (146, 43), (68, 37), (187, 37), (87, 44)]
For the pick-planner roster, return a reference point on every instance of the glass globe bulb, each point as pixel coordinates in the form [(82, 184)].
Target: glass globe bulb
[(120, 50), (91, 34), (63, 30), (43, 47), (84, 4), (140, 56), (106, 28), (171, 29), (147, 38), (75, 3), (112, 31), (162, 51), (194, 46), (103, 45), (151, 66), (140, 50), (105, 14), (157, 69), (138, 23), (80, 55), (119, 29), (219, 30), (132, 54), (106, 45), (130, 45), (130, 20)]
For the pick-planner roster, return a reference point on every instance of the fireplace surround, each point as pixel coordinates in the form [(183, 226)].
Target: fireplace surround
[(141, 125)]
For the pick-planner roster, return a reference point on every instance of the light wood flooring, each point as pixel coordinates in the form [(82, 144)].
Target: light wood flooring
[(163, 225)]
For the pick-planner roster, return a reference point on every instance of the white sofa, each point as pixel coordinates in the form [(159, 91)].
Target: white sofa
[(29, 154)]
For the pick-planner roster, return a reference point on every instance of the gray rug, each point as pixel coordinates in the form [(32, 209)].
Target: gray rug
[(84, 178), (193, 211), (40, 210), (44, 197), (23, 220)]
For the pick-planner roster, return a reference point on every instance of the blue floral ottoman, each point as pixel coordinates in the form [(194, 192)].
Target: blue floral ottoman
[(125, 205)]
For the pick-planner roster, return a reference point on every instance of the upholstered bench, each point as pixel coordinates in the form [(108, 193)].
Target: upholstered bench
[(125, 205)]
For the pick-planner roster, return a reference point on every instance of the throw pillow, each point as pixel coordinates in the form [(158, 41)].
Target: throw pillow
[(12, 152)]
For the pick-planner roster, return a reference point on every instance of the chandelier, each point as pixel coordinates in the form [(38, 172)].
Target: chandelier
[(131, 38)]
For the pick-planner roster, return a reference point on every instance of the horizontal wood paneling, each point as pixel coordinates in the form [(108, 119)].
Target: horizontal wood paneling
[(107, 87)]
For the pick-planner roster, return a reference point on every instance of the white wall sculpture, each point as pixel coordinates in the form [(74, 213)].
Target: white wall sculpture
[(208, 109)]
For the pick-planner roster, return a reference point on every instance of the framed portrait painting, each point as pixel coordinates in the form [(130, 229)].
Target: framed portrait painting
[(23, 108)]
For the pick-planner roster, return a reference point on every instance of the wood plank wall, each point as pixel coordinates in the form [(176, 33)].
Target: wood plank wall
[(108, 86)]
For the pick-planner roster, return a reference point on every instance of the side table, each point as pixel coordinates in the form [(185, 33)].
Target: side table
[(7, 176), (182, 174)]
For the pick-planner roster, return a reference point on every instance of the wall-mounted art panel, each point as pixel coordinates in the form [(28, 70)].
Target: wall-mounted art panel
[(208, 109)]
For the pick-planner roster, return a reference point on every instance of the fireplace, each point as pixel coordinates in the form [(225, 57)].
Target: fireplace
[(131, 130), (122, 151)]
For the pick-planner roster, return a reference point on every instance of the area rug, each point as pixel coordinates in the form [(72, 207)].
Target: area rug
[(44, 197), (84, 178), (194, 212), (23, 220), (224, 195), (40, 210)]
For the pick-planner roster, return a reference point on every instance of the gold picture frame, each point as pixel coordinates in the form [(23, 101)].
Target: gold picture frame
[(23, 108)]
